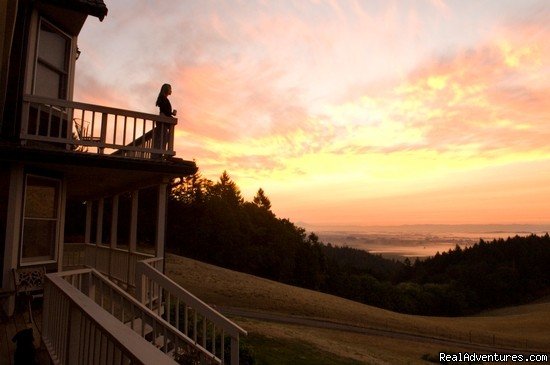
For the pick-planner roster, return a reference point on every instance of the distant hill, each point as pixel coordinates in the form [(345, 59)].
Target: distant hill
[(431, 228), (488, 274), (212, 222), (512, 326)]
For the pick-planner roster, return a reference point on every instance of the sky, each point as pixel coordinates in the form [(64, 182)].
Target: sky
[(344, 112)]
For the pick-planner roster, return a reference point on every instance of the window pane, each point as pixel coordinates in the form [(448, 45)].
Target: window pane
[(41, 198), (39, 239), (47, 82), (53, 47)]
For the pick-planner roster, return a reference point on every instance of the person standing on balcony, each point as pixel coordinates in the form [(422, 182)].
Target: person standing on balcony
[(161, 133), (163, 103)]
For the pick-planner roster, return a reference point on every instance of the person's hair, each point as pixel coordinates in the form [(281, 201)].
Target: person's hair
[(163, 92)]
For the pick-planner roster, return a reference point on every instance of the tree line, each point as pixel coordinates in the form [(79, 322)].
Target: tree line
[(211, 222)]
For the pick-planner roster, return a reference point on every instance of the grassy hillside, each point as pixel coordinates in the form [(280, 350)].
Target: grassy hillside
[(519, 327)]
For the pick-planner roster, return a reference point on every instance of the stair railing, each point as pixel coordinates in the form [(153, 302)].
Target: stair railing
[(135, 316), (77, 331), (195, 319)]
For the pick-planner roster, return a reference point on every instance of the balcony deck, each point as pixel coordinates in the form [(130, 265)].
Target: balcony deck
[(19, 321), (96, 129)]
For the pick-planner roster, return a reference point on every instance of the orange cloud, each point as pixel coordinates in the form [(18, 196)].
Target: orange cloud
[(299, 97)]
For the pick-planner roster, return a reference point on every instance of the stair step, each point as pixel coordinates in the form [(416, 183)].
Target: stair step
[(142, 329), (161, 344), (136, 324)]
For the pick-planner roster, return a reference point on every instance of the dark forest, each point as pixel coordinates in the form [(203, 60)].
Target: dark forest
[(211, 222)]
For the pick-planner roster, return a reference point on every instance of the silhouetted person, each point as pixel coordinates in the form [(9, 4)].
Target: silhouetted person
[(163, 103), (161, 133)]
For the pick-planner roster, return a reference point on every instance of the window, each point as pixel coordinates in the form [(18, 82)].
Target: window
[(40, 220), (52, 62)]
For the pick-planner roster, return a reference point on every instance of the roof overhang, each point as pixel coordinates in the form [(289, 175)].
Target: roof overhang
[(95, 8), (90, 176)]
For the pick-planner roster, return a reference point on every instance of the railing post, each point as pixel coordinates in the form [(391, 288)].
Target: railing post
[(114, 222), (88, 231), (234, 350), (113, 243), (172, 132), (103, 136), (141, 290), (132, 244), (133, 221), (70, 127), (61, 235), (91, 286), (99, 225), (161, 220), (73, 343)]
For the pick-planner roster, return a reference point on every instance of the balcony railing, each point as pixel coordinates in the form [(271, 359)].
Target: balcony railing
[(117, 264), (96, 129)]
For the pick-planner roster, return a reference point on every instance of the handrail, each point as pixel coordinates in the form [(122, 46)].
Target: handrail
[(144, 268), (202, 327), (98, 108), (154, 289), (73, 323), (94, 128), (116, 263), (119, 304)]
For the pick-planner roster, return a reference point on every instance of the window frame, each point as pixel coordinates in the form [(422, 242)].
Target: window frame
[(64, 75), (41, 260)]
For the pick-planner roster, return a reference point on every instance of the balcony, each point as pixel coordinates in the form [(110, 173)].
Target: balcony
[(95, 129)]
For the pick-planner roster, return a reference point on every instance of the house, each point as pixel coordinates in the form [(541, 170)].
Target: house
[(57, 153)]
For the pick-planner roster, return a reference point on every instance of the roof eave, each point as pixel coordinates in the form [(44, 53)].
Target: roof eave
[(95, 8)]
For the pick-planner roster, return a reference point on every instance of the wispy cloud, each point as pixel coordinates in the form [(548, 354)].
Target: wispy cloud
[(390, 95)]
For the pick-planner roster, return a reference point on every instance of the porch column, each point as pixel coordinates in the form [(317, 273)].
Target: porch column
[(114, 222), (133, 221), (13, 231), (161, 220), (88, 232), (61, 240), (99, 226)]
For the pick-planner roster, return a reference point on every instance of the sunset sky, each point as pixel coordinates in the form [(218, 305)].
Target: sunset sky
[(345, 112)]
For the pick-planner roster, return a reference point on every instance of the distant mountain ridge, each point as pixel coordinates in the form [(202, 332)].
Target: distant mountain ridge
[(430, 228)]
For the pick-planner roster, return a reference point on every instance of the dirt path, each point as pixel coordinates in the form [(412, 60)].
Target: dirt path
[(320, 323)]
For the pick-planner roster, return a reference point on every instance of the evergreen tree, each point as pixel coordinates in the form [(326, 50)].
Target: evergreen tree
[(227, 190), (191, 189), (261, 200)]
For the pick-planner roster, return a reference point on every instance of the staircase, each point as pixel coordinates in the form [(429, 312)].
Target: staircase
[(163, 321)]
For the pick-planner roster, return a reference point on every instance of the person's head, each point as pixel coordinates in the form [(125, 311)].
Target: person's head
[(166, 89)]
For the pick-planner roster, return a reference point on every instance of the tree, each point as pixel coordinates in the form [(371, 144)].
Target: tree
[(227, 190), (261, 200), (191, 189)]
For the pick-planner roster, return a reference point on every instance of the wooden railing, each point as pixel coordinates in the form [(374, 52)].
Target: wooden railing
[(117, 264), (96, 129), (194, 318), (136, 317), (213, 337), (76, 330)]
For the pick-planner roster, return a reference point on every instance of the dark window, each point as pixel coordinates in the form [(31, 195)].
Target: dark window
[(52, 62)]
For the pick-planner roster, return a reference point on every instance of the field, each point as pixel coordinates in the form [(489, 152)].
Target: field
[(524, 328)]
